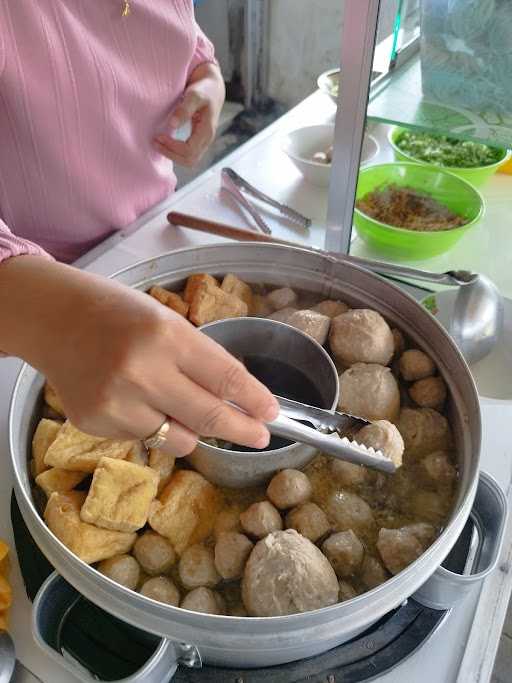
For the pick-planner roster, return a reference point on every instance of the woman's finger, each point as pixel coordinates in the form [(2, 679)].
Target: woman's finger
[(179, 440)]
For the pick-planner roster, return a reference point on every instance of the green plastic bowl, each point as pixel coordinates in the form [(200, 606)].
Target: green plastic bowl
[(477, 175), (448, 189)]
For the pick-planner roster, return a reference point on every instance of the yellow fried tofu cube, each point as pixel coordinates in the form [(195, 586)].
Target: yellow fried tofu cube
[(213, 303), (57, 479), (51, 398), (120, 495), (194, 282), (74, 450), (86, 541), (186, 510), (233, 285), (163, 464), (170, 299), (45, 434), (260, 307)]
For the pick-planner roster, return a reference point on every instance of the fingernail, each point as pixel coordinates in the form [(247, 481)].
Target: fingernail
[(271, 412), (263, 441)]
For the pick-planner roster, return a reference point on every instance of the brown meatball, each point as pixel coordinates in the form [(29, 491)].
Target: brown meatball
[(287, 574), (231, 553), (361, 336), (154, 553), (437, 468), (197, 567), (369, 391), (428, 506), (331, 308), (429, 392), (311, 323), (399, 342), (162, 589), (309, 520), (347, 591), (383, 436), (123, 569), (347, 473), (346, 511), (345, 552), (203, 600), (281, 298), (398, 548), (227, 520), (414, 364), (289, 488), (424, 430), (372, 572), (261, 519)]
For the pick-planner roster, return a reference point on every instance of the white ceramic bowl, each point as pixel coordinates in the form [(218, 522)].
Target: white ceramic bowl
[(301, 144), (329, 82)]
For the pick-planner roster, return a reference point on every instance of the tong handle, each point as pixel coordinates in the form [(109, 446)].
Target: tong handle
[(232, 188), (325, 420)]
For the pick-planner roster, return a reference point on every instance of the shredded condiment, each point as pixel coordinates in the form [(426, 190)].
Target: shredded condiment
[(405, 207)]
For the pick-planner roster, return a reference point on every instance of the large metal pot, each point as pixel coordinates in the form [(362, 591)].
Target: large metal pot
[(233, 641)]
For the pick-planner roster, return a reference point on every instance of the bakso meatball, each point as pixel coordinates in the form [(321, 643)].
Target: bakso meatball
[(414, 364), (347, 591), (231, 553), (312, 323), (331, 308), (347, 473), (372, 573), (227, 520), (162, 589), (424, 430), (438, 469), (424, 533), (399, 342), (361, 336), (284, 315), (309, 520), (282, 298), (346, 511), (261, 519), (154, 553), (197, 567), (123, 569), (429, 392), (384, 436), (398, 548), (428, 506), (289, 488), (345, 552), (203, 600), (369, 391), (286, 574)]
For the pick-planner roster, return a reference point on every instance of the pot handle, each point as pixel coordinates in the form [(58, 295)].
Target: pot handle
[(54, 603), (476, 553)]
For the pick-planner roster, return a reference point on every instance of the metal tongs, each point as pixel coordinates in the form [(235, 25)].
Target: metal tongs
[(235, 186), (328, 435)]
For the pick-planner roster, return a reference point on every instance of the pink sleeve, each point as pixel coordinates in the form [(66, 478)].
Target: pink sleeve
[(10, 245), (204, 52)]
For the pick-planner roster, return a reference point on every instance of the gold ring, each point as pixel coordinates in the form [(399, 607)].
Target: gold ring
[(158, 438)]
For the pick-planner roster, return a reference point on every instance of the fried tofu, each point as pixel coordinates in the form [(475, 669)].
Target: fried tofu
[(88, 542), (120, 495), (260, 307), (51, 398), (45, 434), (79, 452), (194, 282), (212, 303), (57, 479), (170, 299), (233, 285), (163, 464), (186, 510), (137, 454)]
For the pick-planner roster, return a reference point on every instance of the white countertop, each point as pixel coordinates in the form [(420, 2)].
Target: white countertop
[(263, 164)]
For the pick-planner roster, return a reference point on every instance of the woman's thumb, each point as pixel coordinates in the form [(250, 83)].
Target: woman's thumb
[(185, 110)]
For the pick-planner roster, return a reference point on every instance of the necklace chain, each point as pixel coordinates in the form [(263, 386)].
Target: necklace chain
[(126, 8)]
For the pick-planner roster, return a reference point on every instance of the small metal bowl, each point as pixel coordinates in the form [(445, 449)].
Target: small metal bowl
[(277, 342)]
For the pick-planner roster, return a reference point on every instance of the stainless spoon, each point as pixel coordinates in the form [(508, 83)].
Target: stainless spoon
[(7, 657)]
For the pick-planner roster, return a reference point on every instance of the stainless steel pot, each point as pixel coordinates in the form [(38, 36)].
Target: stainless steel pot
[(235, 641)]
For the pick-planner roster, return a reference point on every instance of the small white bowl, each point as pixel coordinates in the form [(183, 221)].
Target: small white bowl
[(328, 82), (301, 144)]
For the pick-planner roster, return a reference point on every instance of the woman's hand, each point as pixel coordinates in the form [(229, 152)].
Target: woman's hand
[(201, 106), (121, 362)]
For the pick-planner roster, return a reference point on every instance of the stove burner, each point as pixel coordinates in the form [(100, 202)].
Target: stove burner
[(380, 649)]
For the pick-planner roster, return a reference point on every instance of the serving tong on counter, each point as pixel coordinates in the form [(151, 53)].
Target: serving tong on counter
[(235, 186)]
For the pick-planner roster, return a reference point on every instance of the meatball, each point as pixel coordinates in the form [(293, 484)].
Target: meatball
[(238, 611), (370, 391), (227, 520), (309, 520), (331, 308), (422, 532), (345, 552), (162, 589), (261, 519), (372, 572), (399, 342), (428, 506), (281, 298), (197, 567), (437, 468), (347, 591), (429, 392), (361, 336), (203, 600), (424, 430), (383, 436), (154, 553), (284, 315), (289, 488), (348, 474), (414, 364), (346, 511), (398, 548), (231, 553), (123, 569), (287, 574)]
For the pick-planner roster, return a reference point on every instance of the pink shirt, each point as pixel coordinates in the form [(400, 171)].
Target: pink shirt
[(83, 92)]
